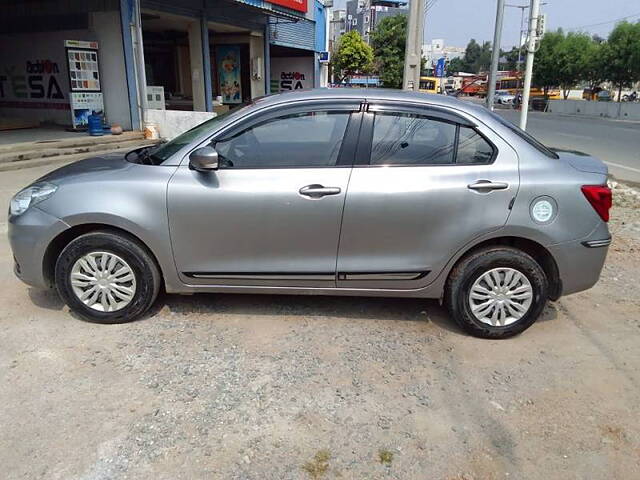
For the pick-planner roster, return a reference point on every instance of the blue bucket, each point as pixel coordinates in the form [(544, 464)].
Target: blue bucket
[(94, 122)]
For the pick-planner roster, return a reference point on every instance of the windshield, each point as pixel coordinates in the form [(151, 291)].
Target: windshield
[(525, 136), (164, 151)]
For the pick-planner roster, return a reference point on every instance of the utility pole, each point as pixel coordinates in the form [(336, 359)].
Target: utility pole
[(531, 48), (413, 49), (495, 55)]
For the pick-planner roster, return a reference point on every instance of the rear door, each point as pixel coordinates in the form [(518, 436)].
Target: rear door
[(270, 215), (429, 181)]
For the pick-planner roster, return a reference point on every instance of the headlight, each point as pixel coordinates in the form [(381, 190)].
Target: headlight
[(31, 196)]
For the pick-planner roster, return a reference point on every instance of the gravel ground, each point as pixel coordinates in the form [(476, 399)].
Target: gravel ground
[(275, 387)]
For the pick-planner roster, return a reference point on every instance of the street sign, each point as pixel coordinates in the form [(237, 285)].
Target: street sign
[(440, 67), (323, 57)]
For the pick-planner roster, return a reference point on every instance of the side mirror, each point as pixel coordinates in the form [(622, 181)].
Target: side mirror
[(203, 159)]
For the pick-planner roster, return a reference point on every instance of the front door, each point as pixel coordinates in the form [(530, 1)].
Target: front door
[(270, 215), (434, 181)]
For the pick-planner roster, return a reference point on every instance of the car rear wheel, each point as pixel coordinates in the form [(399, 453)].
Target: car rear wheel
[(496, 292), (107, 278)]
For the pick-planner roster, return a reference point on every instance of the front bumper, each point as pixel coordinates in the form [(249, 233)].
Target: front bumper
[(29, 236), (580, 262)]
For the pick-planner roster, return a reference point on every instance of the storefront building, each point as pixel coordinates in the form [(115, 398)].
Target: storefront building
[(129, 57)]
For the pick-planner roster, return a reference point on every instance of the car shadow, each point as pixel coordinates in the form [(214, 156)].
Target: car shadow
[(304, 306)]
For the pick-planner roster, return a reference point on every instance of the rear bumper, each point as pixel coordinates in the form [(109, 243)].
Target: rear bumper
[(580, 263), (29, 236)]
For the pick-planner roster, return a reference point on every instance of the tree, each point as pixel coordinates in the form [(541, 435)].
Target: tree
[(622, 55), (572, 55), (594, 68), (546, 66), (388, 41), (457, 65), (352, 56), (511, 58)]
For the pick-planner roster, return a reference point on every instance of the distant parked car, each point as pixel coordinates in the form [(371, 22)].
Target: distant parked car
[(604, 96), (332, 192), (504, 98)]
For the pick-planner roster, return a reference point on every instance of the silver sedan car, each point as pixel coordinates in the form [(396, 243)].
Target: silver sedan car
[(324, 192)]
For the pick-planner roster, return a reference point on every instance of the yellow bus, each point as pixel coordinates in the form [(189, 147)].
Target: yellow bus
[(515, 85), (430, 84)]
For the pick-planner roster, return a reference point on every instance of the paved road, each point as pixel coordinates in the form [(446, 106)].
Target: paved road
[(617, 143)]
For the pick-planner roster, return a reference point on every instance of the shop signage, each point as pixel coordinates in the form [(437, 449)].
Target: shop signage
[(291, 73), (299, 5), (37, 80)]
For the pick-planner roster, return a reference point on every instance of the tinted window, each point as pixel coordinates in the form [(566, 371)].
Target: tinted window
[(310, 139), (525, 136), (473, 148), (408, 139)]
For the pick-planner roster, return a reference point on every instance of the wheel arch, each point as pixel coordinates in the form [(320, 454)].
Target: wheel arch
[(63, 239), (537, 251)]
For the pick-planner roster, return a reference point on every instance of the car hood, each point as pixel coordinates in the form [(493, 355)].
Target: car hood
[(89, 167), (581, 161)]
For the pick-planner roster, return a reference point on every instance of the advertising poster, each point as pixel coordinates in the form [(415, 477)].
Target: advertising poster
[(228, 60), (84, 80)]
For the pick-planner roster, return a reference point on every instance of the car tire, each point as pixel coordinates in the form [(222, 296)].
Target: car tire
[(116, 268), (472, 301)]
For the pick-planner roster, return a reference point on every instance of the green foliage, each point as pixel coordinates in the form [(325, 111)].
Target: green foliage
[(477, 58), (510, 59), (622, 54), (456, 65), (546, 65), (388, 41), (572, 56), (352, 56), (566, 60)]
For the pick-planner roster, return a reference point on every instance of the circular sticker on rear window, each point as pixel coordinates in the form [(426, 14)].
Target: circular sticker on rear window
[(543, 209)]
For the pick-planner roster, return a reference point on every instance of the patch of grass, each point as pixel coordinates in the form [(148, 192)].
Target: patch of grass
[(385, 456), (319, 465)]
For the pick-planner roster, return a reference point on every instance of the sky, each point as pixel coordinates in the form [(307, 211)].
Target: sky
[(457, 21)]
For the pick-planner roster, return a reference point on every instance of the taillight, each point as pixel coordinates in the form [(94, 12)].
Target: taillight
[(599, 197)]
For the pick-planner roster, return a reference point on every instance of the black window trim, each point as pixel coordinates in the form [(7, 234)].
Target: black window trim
[(363, 157), (351, 105), (350, 134)]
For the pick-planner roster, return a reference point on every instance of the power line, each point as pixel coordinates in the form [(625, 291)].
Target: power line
[(605, 23)]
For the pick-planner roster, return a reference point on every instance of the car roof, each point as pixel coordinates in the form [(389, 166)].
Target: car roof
[(329, 94), (359, 93)]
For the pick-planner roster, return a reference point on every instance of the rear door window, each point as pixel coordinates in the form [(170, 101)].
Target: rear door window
[(409, 139)]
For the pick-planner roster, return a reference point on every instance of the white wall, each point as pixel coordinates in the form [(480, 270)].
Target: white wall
[(624, 111), (171, 123), (21, 95), (21, 89)]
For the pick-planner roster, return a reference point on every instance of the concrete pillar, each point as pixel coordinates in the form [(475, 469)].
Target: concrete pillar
[(206, 63), (257, 64), (267, 60), (126, 21), (106, 26), (196, 57)]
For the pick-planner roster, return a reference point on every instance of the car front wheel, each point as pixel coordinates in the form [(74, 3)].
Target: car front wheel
[(106, 277), (496, 292)]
